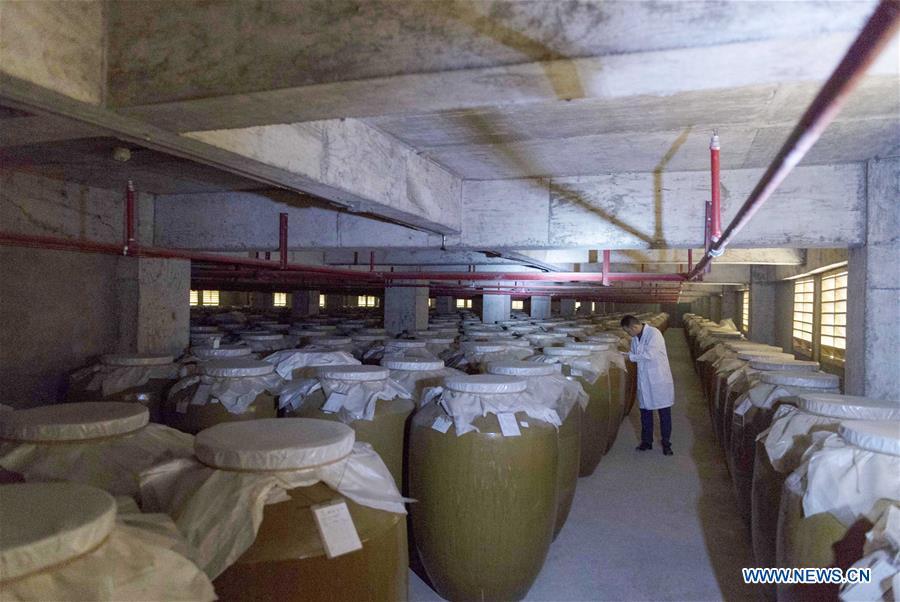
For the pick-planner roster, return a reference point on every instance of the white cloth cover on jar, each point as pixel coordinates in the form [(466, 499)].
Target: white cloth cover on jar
[(545, 382), (68, 541), (287, 361), (105, 444), (117, 373), (467, 397), (234, 383), (581, 362), (351, 392), (261, 342), (409, 372), (477, 353), (217, 498), (882, 557)]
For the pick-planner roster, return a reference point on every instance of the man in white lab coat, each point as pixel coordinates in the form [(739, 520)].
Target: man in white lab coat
[(656, 390)]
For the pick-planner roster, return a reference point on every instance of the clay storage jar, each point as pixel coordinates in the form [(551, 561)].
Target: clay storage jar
[(753, 415), (417, 374), (143, 379), (486, 503), (278, 470), (379, 412), (598, 416), (103, 444), (70, 541), (266, 342), (226, 390), (616, 378), (843, 481), (547, 384), (780, 449)]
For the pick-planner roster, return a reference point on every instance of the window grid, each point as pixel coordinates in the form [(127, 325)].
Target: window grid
[(367, 301), (322, 301), (211, 298), (279, 299), (833, 316), (432, 303), (463, 304), (804, 315), (195, 298), (518, 305), (745, 312)]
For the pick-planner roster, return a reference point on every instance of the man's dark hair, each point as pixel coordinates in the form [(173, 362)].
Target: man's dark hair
[(629, 320)]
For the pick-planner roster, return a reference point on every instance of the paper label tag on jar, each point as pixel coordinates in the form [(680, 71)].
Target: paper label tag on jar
[(508, 424), (523, 424), (334, 403), (336, 528), (441, 424), (216, 342)]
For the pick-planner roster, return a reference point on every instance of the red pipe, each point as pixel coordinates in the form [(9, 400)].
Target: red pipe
[(715, 208), (877, 32), (283, 239), (690, 259), (129, 242), (606, 255), (543, 276)]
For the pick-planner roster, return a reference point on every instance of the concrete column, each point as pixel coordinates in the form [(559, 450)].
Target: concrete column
[(495, 308), (762, 304), (444, 304), (567, 307), (729, 305), (405, 309), (153, 311), (873, 291), (715, 308), (540, 308), (304, 303)]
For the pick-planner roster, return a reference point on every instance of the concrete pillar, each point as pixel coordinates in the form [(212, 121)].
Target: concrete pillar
[(873, 291), (715, 308), (540, 308), (153, 312), (495, 308), (762, 304), (444, 304), (304, 303), (729, 305), (260, 300), (567, 307), (405, 309)]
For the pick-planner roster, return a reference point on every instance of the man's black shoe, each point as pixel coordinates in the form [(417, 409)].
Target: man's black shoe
[(644, 446), (667, 451)]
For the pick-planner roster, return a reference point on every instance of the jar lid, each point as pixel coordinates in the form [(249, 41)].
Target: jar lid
[(566, 352), (522, 368), (752, 355), (274, 444), (810, 380), (545, 336), (278, 327), (405, 344), (589, 346), (222, 351), (130, 360), (380, 331), (205, 330), (485, 383), (236, 368), (438, 340), (848, 407), (569, 329), (74, 421), (767, 365), (305, 332), (334, 341), (323, 327), (262, 336), (604, 337), (368, 338), (412, 364), (354, 373), (48, 524), (876, 436)]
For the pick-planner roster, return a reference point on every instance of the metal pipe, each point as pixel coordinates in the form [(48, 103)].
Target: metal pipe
[(877, 32), (543, 276), (606, 255), (129, 242), (690, 259), (283, 239), (715, 209)]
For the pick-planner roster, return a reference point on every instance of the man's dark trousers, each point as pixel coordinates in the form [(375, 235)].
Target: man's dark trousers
[(665, 426)]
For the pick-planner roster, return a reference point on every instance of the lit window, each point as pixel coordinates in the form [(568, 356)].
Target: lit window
[(367, 301), (464, 304), (577, 305), (833, 333), (518, 305), (195, 298), (211, 298), (321, 300), (432, 303), (279, 299), (804, 291), (593, 307), (745, 312)]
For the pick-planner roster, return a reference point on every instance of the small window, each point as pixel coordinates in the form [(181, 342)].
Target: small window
[(279, 299), (833, 326), (321, 301), (195, 298), (577, 305), (804, 291), (367, 301), (518, 305), (464, 304), (432, 303), (745, 312), (211, 298)]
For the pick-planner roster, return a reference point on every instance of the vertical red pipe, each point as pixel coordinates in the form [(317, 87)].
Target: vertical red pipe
[(129, 242), (690, 259), (371, 261), (283, 239), (715, 209), (606, 254)]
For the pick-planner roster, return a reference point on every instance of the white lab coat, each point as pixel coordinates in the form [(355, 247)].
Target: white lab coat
[(656, 390)]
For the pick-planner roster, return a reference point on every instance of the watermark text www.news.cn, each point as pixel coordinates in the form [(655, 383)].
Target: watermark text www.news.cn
[(807, 576)]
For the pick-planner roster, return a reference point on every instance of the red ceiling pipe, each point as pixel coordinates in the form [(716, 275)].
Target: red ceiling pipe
[(543, 276), (877, 32), (606, 255), (283, 239), (129, 242), (715, 208)]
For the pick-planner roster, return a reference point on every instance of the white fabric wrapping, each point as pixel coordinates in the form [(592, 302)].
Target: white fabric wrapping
[(586, 364), (465, 398), (204, 354), (74, 421), (220, 510), (287, 361), (358, 397), (410, 373), (554, 389), (119, 373), (844, 480), (112, 556), (792, 429), (882, 557), (223, 381), (261, 342)]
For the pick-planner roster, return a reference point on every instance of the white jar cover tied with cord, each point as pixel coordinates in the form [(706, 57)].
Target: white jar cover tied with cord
[(288, 360), (117, 373), (217, 497), (881, 556), (234, 383), (351, 392), (584, 363), (545, 383)]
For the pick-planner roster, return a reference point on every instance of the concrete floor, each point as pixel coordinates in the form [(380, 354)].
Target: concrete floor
[(646, 526)]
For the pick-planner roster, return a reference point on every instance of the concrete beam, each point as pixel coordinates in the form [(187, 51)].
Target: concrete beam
[(350, 162), (588, 258)]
